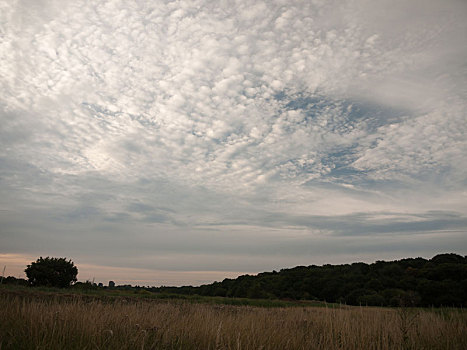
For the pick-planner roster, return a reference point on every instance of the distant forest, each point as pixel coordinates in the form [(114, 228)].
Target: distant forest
[(440, 281)]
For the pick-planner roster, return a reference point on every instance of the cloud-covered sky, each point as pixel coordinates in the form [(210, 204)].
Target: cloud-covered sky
[(181, 142)]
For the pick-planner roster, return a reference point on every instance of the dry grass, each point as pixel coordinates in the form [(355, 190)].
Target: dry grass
[(73, 323)]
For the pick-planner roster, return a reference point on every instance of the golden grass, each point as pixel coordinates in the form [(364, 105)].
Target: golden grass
[(76, 323)]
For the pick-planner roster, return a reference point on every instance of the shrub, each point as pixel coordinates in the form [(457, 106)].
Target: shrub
[(52, 272)]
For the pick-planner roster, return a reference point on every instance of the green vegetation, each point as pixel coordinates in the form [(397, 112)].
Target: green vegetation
[(86, 291), (440, 281), (54, 272)]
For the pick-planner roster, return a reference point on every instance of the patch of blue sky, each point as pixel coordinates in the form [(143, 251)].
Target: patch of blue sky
[(347, 113), (339, 117)]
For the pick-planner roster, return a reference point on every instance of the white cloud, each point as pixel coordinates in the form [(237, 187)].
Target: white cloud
[(271, 108)]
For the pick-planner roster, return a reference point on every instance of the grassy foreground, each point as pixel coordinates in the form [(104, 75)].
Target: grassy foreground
[(74, 322)]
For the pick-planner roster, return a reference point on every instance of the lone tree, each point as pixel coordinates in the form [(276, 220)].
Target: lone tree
[(52, 272)]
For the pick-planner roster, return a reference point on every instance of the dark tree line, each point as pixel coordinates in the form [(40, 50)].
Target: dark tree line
[(441, 280)]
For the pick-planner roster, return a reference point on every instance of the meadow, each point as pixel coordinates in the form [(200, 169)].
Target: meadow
[(46, 320)]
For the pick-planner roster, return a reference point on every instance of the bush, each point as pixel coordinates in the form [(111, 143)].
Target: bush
[(51, 272)]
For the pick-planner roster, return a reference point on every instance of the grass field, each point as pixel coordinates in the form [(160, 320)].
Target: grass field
[(46, 320)]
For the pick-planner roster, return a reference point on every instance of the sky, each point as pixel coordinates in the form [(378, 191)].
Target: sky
[(183, 142)]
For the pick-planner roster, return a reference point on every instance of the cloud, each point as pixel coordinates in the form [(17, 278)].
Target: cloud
[(197, 117)]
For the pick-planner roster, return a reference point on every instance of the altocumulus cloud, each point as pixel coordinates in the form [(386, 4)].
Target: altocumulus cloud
[(231, 136)]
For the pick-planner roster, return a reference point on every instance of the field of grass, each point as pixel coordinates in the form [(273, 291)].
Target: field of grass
[(134, 295), (46, 320)]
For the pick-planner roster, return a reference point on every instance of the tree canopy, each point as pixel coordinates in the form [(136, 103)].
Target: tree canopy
[(52, 272), (441, 280)]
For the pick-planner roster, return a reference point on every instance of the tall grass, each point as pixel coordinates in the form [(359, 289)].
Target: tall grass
[(77, 323)]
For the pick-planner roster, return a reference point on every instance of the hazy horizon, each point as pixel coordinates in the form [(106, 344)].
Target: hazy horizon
[(182, 142)]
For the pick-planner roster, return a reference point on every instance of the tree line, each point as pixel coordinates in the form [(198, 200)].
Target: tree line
[(440, 281)]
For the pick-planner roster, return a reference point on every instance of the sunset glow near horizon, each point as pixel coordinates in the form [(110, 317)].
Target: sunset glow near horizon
[(183, 142)]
